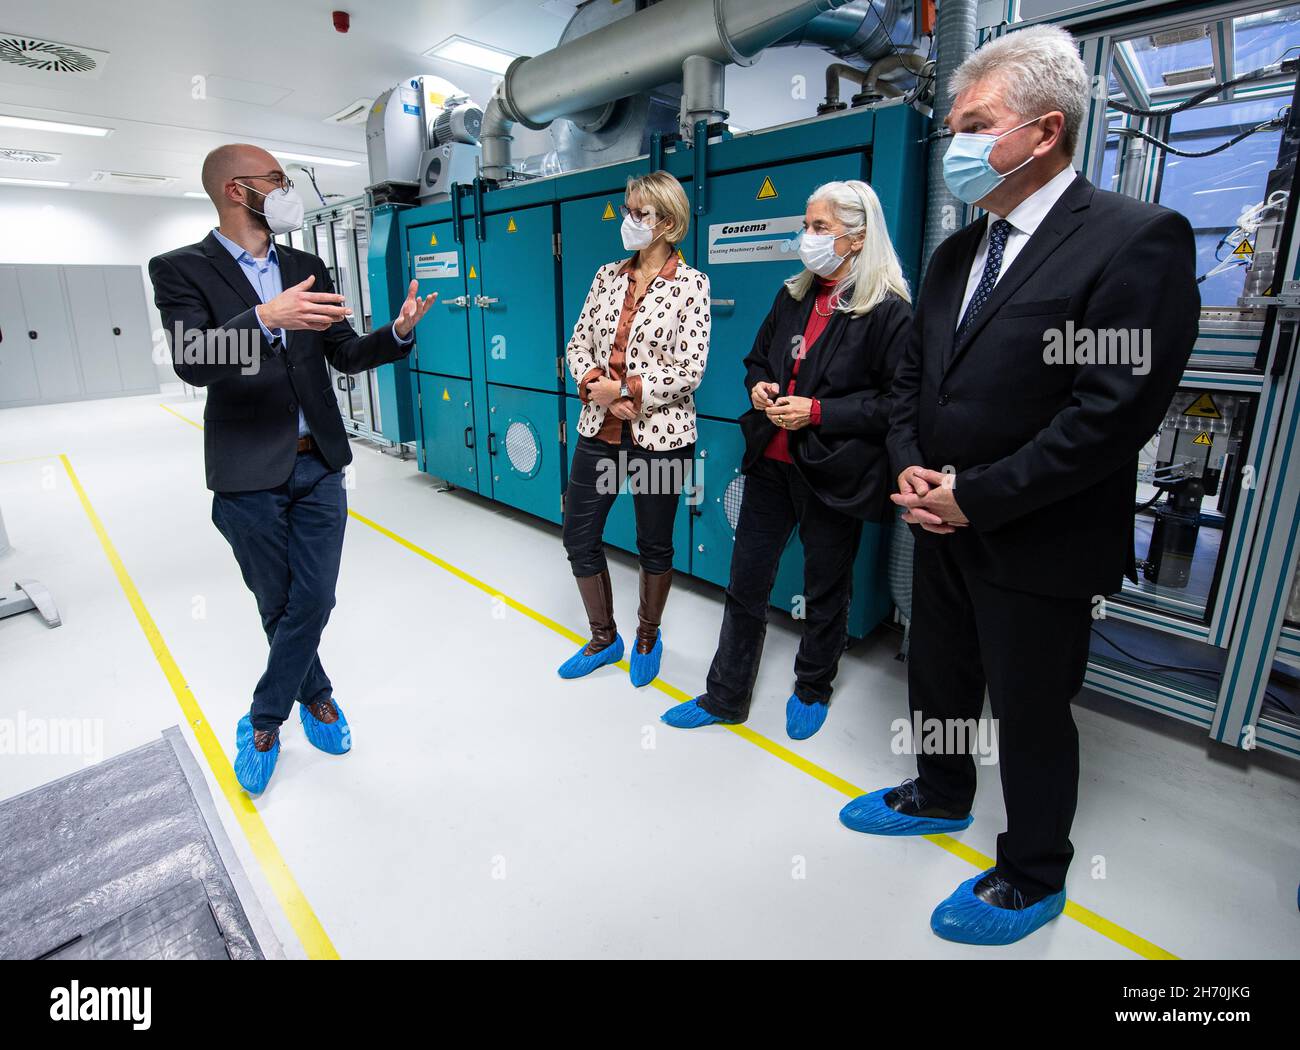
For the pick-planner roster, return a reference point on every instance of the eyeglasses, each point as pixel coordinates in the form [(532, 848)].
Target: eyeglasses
[(281, 180), (646, 216)]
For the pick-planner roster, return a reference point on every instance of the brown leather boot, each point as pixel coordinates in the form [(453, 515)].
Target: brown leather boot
[(598, 599), (264, 739), (323, 711), (654, 596)]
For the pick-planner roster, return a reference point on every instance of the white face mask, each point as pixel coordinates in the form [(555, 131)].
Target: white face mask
[(636, 235), (817, 250), (282, 208)]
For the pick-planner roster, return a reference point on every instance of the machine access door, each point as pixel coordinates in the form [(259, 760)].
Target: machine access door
[(515, 296), (524, 449), (442, 338), (447, 418), (748, 244)]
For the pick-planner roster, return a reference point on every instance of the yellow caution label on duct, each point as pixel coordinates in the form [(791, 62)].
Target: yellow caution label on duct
[(767, 191), (609, 212), (1204, 407), (446, 394), (1203, 438), (433, 240), (511, 227), (473, 274), (1245, 248)]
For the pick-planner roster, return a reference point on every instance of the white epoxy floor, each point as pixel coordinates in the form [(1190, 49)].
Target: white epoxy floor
[(490, 809)]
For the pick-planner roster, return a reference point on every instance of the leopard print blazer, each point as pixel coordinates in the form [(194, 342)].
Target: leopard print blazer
[(668, 348)]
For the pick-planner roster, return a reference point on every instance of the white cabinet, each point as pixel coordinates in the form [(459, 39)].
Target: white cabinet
[(70, 333)]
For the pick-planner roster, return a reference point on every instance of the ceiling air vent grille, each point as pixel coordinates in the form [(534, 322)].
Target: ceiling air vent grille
[(28, 156), (126, 180), (46, 55)]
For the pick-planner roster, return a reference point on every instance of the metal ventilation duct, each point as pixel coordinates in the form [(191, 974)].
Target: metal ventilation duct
[(613, 62)]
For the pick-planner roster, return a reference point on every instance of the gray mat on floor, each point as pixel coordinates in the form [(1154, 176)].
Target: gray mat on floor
[(125, 859)]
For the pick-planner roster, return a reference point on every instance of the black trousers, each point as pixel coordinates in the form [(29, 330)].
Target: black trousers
[(289, 541), (776, 500), (654, 479), (1031, 651)]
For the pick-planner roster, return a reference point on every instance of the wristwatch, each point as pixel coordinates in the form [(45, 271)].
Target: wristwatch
[(623, 390)]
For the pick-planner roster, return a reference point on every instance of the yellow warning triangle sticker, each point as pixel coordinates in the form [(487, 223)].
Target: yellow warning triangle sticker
[(446, 394), (511, 227), (473, 276), (1245, 248), (433, 240), (1204, 407), (680, 255), (1203, 438), (609, 211), (767, 191)]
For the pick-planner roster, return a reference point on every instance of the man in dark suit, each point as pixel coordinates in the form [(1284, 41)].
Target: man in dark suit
[(255, 322), (1048, 340)]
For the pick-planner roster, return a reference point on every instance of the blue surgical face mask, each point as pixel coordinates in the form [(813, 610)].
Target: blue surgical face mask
[(966, 167)]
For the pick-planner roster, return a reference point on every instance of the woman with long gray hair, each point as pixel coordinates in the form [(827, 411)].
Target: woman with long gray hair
[(819, 378)]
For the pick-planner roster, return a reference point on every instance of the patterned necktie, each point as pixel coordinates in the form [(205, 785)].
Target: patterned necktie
[(998, 234)]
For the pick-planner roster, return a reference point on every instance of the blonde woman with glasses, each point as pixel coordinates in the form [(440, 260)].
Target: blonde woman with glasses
[(638, 353)]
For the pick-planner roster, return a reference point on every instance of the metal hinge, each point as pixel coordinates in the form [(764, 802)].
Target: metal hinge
[(555, 245), (564, 432), (559, 367)]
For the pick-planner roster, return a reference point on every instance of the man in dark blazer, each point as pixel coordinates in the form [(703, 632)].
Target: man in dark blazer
[(255, 322), (1015, 443)]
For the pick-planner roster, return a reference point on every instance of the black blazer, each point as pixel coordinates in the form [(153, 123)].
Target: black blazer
[(250, 433), (850, 369), (1045, 454)]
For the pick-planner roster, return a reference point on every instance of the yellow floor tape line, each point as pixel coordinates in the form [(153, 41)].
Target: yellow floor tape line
[(1112, 931), (314, 939)]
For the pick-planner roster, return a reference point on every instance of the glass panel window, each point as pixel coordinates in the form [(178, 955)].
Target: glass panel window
[(1261, 39), (1188, 484)]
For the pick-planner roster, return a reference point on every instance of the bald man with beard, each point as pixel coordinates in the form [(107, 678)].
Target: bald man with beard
[(254, 322)]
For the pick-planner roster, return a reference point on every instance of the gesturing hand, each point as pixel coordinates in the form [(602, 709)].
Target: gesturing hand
[(791, 413), (297, 308), (413, 310)]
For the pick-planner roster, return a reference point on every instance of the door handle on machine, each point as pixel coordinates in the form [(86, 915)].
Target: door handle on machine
[(722, 302), (461, 300), (469, 436), (484, 301), (492, 446)]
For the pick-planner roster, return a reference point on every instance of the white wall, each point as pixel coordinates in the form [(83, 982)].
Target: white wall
[(70, 227)]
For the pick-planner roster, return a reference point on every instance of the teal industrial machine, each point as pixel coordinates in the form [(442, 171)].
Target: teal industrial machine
[(492, 407)]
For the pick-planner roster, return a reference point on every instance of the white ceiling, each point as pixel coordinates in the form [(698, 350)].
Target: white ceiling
[(283, 57)]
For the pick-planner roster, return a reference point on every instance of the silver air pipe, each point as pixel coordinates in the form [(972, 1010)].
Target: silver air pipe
[(954, 40), (614, 61), (858, 32)]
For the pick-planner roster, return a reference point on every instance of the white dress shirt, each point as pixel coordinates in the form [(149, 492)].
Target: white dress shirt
[(1025, 218)]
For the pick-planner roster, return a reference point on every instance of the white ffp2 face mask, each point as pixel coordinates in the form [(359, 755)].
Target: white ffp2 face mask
[(817, 250), (637, 235), (282, 208)]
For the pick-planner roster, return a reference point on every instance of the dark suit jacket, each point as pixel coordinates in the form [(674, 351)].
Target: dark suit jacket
[(250, 433), (1046, 454), (850, 368)]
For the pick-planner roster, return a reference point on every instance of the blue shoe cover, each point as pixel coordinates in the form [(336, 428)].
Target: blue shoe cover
[(580, 663), (253, 768), (803, 720), (869, 814), (334, 738), (963, 917), (645, 666), (690, 715)]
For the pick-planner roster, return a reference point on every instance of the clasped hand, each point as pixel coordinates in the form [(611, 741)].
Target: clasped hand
[(928, 499)]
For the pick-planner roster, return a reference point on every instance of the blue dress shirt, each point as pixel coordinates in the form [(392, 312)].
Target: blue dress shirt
[(264, 276)]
